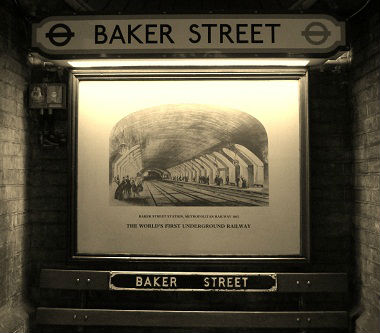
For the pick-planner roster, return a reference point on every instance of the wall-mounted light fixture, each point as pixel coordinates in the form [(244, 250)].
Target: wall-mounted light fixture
[(280, 62)]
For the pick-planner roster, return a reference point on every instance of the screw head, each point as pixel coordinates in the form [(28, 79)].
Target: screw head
[(85, 317), (308, 283), (88, 280), (75, 317), (298, 320), (297, 282), (309, 320), (77, 280)]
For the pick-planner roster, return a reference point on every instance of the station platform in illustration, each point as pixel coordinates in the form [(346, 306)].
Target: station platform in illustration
[(174, 193)]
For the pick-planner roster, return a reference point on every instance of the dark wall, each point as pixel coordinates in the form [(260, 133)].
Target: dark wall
[(330, 168), (365, 101), (14, 167)]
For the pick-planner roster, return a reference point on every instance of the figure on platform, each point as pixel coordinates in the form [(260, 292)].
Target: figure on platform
[(134, 188), (119, 191), (140, 187), (227, 180), (243, 182), (237, 181), (127, 188)]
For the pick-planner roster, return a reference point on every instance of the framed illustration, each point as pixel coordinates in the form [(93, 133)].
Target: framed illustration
[(189, 164)]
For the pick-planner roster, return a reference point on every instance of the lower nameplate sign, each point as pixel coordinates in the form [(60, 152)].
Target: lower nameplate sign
[(199, 281)]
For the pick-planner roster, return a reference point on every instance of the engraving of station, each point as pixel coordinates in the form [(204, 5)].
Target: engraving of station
[(189, 155)]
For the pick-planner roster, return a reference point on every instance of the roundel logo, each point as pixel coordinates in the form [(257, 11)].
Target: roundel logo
[(316, 33), (60, 34)]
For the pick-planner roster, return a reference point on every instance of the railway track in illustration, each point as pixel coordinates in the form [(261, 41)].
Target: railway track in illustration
[(191, 195)]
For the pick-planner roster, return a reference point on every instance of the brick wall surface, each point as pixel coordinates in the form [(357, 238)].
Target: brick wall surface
[(14, 141), (365, 101)]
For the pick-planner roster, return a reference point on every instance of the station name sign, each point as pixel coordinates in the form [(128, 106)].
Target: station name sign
[(200, 281), (271, 35)]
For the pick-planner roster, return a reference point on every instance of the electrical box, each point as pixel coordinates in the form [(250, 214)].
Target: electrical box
[(47, 96)]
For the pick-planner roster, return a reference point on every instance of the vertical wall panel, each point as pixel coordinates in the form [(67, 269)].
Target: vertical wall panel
[(14, 144), (365, 101)]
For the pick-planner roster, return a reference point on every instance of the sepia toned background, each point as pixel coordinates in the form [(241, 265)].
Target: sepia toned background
[(344, 151)]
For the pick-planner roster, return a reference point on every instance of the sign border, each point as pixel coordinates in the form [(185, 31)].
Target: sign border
[(175, 274), (190, 53)]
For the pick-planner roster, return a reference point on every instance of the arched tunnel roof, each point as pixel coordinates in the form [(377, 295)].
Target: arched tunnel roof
[(171, 134)]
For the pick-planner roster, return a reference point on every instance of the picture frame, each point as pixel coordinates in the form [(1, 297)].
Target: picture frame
[(172, 228)]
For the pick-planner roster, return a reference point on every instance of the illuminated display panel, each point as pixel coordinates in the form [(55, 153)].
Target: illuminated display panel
[(177, 167)]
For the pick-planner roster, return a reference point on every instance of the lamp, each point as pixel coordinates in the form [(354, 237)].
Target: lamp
[(288, 62)]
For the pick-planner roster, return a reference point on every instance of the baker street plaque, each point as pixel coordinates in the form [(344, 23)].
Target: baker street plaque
[(193, 281)]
